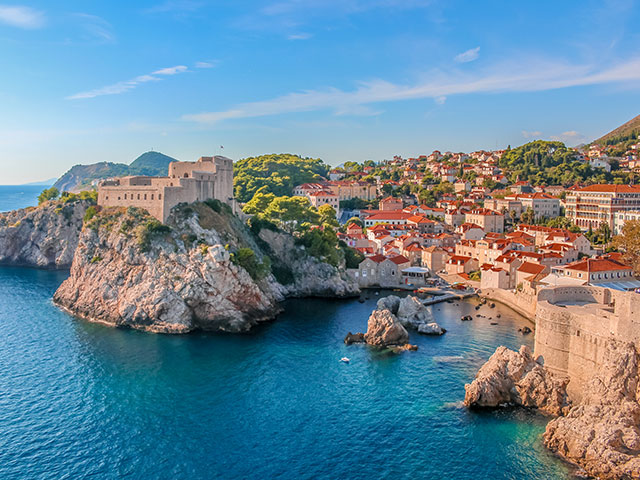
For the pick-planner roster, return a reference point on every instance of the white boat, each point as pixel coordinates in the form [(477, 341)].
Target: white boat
[(344, 359)]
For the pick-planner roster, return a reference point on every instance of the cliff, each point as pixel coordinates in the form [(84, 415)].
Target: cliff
[(44, 236), (602, 433), (515, 378), (203, 270)]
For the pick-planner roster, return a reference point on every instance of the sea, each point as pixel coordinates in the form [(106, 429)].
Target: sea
[(86, 401), (13, 197)]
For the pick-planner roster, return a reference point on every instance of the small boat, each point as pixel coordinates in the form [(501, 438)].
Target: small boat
[(344, 360)]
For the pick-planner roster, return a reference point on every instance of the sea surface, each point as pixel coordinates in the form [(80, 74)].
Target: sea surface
[(13, 197), (81, 400)]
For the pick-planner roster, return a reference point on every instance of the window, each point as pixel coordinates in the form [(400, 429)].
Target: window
[(145, 196), (138, 196), (152, 196), (159, 196)]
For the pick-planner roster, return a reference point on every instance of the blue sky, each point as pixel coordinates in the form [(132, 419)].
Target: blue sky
[(87, 81)]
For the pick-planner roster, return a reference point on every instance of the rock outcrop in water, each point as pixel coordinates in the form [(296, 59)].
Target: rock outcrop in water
[(384, 329), (515, 378), (44, 236), (129, 270), (602, 433)]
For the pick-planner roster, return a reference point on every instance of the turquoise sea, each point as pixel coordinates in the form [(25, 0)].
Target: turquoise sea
[(81, 400)]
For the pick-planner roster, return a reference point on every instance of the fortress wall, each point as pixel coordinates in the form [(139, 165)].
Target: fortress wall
[(148, 197), (570, 340), (522, 303)]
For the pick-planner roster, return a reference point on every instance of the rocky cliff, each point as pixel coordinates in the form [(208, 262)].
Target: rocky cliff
[(602, 433), (599, 433), (44, 237), (203, 270), (515, 378)]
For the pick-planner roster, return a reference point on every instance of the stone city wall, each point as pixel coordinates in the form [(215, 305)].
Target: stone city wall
[(573, 325)]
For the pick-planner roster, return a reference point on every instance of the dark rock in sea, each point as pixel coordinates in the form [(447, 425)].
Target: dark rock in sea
[(492, 305), (525, 330), (354, 338), (466, 318), (494, 323), (498, 316), (477, 307), (361, 300)]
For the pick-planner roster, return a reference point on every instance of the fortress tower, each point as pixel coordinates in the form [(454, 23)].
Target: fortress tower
[(187, 182)]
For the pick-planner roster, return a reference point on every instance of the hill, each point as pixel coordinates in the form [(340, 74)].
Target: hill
[(628, 131), (79, 177)]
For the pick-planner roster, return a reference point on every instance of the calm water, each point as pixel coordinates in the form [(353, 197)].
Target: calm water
[(13, 197), (79, 400)]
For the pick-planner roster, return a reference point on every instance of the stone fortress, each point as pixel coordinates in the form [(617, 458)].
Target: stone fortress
[(574, 324), (187, 182)]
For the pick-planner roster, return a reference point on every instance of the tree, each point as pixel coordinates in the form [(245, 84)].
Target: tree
[(259, 202), (290, 212), (355, 220), (328, 215), (629, 243), (48, 194), (527, 216), (279, 173)]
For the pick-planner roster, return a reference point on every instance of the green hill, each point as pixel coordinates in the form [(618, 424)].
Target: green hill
[(151, 163), (624, 133), (79, 177)]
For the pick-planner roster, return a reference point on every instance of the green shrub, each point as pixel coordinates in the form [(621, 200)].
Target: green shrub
[(257, 223), (96, 259), (246, 258), (149, 229), (48, 194), (90, 213)]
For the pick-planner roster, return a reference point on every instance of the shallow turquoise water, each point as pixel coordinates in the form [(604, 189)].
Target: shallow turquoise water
[(80, 400)]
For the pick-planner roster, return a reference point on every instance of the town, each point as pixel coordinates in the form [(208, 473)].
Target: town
[(480, 230)]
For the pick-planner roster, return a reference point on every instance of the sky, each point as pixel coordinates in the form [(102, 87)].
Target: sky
[(89, 81)]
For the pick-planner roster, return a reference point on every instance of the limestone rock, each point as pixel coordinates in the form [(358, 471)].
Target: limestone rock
[(44, 236), (511, 377), (128, 272), (431, 329), (384, 329), (354, 338), (390, 302), (412, 313), (602, 433)]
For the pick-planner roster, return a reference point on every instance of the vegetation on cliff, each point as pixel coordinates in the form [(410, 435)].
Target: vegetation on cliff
[(629, 243), (278, 173)]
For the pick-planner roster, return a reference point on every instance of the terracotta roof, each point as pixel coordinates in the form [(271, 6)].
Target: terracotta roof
[(611, 188), (533, 268), (398, 260), (393, 215), (377, 258), (596, 265)]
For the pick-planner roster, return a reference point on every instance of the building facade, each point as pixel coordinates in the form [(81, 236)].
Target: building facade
[(188, 182), (591, 206)]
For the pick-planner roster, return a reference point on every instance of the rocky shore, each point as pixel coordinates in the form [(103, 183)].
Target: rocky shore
[(42, 237), (600, 434), (129, 270)]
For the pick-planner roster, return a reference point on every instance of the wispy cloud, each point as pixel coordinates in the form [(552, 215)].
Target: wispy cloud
[(534, 134), (468, 56), (569, 137), (299, 36), (96, 28), (209, 64), (505, 78), (122, 87), (21, 17)]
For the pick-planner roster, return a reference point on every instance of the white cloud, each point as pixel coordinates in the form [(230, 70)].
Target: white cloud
[(122, 87), (22, 17), (569, 137), (468, 56), (299, 36), (440, 99), (170, 70), (210, 64), (504, 78), (96, 27), (534, 134)]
